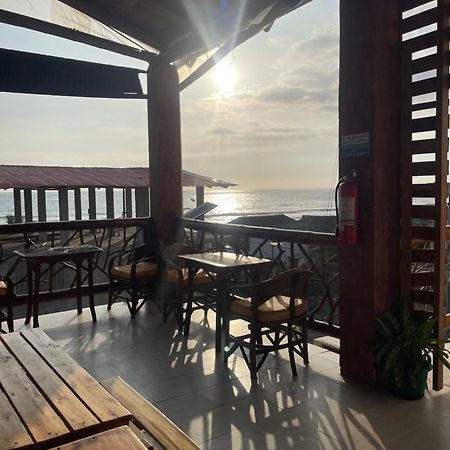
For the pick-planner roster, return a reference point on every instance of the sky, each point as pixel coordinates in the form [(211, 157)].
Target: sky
[(264, 118)]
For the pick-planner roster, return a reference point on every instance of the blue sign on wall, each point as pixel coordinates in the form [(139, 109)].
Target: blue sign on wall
[(355, 145)]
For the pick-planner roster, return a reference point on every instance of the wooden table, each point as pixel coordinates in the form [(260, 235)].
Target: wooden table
[(223, 265), (46, 398), (37, 257), (118, 438)]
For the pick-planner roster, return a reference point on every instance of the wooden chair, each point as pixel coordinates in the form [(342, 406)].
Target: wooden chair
[(6, 303), (133, 275), (277, 312), (175, 287)]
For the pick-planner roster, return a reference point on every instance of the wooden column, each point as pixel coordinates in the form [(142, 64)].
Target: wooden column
[(369, 102), (128, 203), (17, 206), (42, 205), (141, 195), (63, 199), (92, 200), (109, 203), (77, 201), (28, 201), (166, 199)]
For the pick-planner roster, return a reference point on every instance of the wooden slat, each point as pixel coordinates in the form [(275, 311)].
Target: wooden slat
[(423, 87), (419, 20), (423, 124), (423, 146), (423, 168), (39, 417), (422, 279), (422, 296), (423, 233), (12, 432), (163, 430), (422, 255), (57, 393), (424, 64), (427, 190), (423, 106), (406, 5), (424, 211), (118, 438), (422, 42), (90, 392)]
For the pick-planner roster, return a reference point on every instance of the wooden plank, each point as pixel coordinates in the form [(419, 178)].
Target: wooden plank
[(423, 146), (155, 423), (423, 87), (118, 438), (140, 436), (17, 206), (423, 168), (422, 255), (423, 211), (406, 5), (423, 106), (424, 190), (92, 208), (88, 390), (422, 296), (420, 279), (12, 432), (57, 393), (419, 20), (423, 124), (422, 42), (77, 201), (424, 233), (109, 203), (28, 203), (39, 417), (424, 64)]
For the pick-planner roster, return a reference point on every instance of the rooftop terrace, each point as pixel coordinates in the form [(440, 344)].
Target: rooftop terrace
[(218, 406)]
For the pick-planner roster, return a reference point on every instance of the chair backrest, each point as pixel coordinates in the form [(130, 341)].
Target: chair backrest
[(152, 248), (291, 283)]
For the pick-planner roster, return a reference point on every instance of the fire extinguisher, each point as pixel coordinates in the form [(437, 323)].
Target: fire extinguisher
[(346, 198)]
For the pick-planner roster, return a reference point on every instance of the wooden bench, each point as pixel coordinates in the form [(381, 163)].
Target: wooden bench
[(148, 418)]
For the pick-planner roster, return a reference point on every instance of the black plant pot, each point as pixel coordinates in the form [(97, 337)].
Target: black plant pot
[(409, 390)]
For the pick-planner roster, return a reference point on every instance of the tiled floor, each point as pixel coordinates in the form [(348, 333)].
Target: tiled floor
[(218, 406)]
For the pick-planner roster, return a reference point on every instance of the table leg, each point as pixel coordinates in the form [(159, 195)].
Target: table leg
[(91, 289), (78, 287), (187, 319), (30, 293), (221, 284), (37, 280)]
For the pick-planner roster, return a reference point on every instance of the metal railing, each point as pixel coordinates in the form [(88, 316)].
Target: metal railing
[(112, 235), (317, 252)]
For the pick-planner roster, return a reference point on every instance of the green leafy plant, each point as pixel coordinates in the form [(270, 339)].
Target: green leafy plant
[(403, 347)]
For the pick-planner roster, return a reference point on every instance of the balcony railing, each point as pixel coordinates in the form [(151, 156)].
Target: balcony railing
[(112, 235), (316, 252)]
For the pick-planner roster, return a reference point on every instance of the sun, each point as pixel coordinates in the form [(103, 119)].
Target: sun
[(225, 76)]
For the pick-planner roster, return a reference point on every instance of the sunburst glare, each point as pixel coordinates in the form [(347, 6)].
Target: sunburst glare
[(225, 77)]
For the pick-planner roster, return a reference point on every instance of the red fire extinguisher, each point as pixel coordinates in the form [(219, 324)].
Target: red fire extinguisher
[(347, 209)]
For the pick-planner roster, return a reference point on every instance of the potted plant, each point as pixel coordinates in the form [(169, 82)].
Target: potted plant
[(403, 348)]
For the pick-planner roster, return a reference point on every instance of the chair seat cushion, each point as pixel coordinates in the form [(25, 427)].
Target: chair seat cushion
[(276, 309), (3, 288), (143, 270), (201, 277)]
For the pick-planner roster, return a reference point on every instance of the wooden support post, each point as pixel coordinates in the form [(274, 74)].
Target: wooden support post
[(42, 205), (369, 102), (128, 203), (200, 195), (77, 201), (17, 206), (28, 200), (92, 200), (166, 199), (109, 203), (63, 198), (142, 201)]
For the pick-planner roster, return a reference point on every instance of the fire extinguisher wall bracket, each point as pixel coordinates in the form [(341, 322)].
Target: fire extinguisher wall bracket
[(347, 205)]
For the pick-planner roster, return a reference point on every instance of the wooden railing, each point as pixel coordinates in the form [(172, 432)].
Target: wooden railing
[(112, 235), (286, 248)]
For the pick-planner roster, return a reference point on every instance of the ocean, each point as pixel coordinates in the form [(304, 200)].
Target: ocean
[(232, 203)]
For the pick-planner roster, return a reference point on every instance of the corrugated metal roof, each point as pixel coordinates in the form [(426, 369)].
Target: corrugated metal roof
[(26, 177)]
